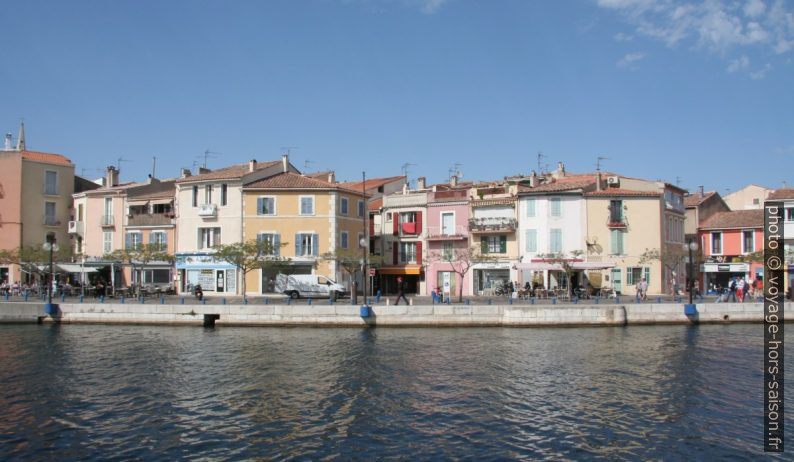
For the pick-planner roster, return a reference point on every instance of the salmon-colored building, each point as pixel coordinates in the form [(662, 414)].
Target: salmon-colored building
[(727, 238)]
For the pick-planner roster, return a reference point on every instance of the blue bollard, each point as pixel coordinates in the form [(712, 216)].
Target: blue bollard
[(245, 300), (489, 301), (122, 299), (597, 299), (181, 300), (63, 297), (576, 301), (331, 301), (554, 300), (658, 299), (26, 296), (6, 295), (531, 300), (377, 297), (289, 301), (141, 300), (509, 300), (468, 301), (101, 299), (224, 301), (203, 301), (267, 301), (310, 302), (81, 299), (617, 299), (162, 300)]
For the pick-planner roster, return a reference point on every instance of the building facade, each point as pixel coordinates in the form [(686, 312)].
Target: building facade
[(447, 244), (729, 240)]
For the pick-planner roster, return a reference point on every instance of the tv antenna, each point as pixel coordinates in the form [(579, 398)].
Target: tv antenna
[(207, 155), (288, 149), (307, 163), (598, 162), (404, 169), (455, 171), (540, 156), (119, 161), (677, 180)]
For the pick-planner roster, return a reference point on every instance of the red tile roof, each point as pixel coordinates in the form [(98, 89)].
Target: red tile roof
[(232, 172), (46, 157), (620, 192), (375, 204), (693, 200), (371, 183), (784, 193), (569, 183), (735, 219), (291, 180)]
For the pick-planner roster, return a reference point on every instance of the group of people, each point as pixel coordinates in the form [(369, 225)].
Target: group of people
[(738, 289)]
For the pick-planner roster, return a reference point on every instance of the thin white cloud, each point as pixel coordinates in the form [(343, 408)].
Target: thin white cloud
[(628, 61), (431, 6), (721, 27), (761, 73), (621, 37), (739, 64)]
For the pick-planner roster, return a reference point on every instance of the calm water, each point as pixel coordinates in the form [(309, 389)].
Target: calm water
[(161, 393)]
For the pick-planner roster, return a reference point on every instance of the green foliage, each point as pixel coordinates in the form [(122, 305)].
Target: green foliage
[(461, 261), (139, 256), (249, 255)]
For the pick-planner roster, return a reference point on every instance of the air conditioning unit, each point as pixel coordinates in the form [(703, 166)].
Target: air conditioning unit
[(613, 180), (72, 226)]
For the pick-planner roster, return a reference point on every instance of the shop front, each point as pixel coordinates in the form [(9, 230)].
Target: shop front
[(718, 275), (270, 274), (204, 269), (490, 276), (412, 275)]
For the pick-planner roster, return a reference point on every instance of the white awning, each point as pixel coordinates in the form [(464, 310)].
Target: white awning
[(591, 265), (491, 266), (72, 268), (539, 266)]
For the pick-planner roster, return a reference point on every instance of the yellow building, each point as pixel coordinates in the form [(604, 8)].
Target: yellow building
[(304, 218)]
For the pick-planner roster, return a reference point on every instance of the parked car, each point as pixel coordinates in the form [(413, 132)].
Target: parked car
[(309, 286)]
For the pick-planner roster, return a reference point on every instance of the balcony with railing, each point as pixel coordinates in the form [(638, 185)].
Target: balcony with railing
[(108, 220), (492, 224), (617, 223), (208, 210), (50, 220), (150, 219), (448, 233)]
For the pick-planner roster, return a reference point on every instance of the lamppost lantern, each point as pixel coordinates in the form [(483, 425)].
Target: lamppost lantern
[(363, 243)]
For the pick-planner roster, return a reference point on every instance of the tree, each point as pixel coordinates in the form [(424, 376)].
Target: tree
[(250, 255), (566, 263), (350, 260), (35, 260), (670, 259), (138, 256), (460, 261)]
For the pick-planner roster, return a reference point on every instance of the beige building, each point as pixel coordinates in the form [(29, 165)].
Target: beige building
[(305, 219), (627, 217), (35, 200), (750, 197), (209, 212)]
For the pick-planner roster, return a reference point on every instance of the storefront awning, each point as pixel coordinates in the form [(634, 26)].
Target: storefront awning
[(591, 265), (72, 268), (406, 270), (539, 266)]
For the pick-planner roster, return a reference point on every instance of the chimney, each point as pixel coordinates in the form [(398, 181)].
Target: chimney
[(185, 172), (453, 180), (9, 146), (421, 183), (598, 181), (533, 179), (252, 165), (331, 177), (284, 163), (203, 170), (405, 188), (560, 170), (112, 177), (701, 191)]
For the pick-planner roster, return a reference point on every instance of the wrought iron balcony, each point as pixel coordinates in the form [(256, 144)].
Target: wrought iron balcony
[(150, 219), (492, 225), (208, 210), (454, 233)]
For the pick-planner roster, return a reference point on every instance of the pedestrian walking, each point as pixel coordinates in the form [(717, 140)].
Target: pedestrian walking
[(401, 286), (732, 288)]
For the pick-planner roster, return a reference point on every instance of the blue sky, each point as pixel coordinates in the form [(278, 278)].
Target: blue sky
[(694, 92)]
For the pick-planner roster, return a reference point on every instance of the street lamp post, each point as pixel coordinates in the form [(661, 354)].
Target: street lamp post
[(691, 246), (363, 242), (50, 246)]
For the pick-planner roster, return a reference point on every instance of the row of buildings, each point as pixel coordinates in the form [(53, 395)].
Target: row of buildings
[(551, 230)]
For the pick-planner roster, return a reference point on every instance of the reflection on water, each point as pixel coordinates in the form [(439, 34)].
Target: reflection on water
[(77, 392)]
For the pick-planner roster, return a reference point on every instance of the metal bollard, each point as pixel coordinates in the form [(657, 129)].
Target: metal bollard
[(531, 300), (141, 300), (181, 300), (377, 297), (162, 300), (554, 300), (331, 301), (617, 299), (310, 302), (267, 301), (658, 299), (26, 296), (509, 300), (468, 302), (245, 300), (203, 301), (224, 301), (6, 295), (63, 297), (101, 299), (81, 298), (122, 299), (597, 299), (576, 301), (489, 301), (289, 301)]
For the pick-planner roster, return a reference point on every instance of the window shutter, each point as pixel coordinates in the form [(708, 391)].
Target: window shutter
[(395, 250), (315, 244), (614, 242), (530, 208), (647, 272), (298, 245), (483, 244), (165, 241), (277, 245), (502, 244), (630, 276), (128, 241), (419, 253), (620, 242), (396, 222), (532, 240), (151, 238), (418, 223), (260, 205)]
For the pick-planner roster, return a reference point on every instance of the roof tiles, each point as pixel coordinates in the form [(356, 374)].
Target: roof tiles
[(735, 219)]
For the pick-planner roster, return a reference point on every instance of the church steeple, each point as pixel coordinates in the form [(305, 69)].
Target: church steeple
[(21, 138)]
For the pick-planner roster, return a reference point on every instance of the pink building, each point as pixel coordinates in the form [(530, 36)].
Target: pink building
[(447, 240), (728, 239)]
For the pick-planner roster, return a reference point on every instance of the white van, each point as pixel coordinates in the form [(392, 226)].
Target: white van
[(308, 286)]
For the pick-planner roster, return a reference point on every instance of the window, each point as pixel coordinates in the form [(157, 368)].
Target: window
[(388, 216), (49, 214), (159, 239), (107, 241), (616, 238), (531, 238), (108, 206), (407, 217), (208, 194), (343, 239), (265, 205), (555, 240), (133, 240), (615, 211), (272, 241), (555, 206), (494, 244), (79, 212), (360, 208), (224, 192), (748, 241), (447, 251), (208, 237), (531, 208), (50, 182), (448, 223), (407, 252), (716, 243), (307, 205), (343, 206), (306, 245), (756, 201), (789, 215), (195, 196), (634, 274)]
